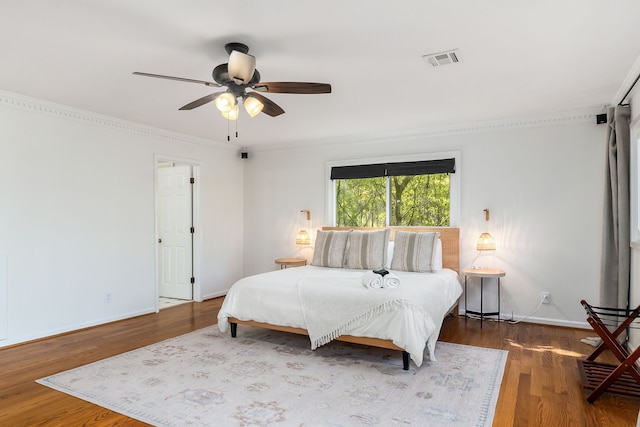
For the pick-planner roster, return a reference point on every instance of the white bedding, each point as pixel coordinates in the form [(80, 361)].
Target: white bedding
[(274, 298)]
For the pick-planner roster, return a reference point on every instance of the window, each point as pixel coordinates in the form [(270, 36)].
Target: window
[(412, 192), (361, 202), (420, 200)]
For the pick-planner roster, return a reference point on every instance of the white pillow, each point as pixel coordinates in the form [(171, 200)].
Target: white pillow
[(415, 251), (387, 264), (437, 256)]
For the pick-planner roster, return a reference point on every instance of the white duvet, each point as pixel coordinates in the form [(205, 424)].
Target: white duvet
[(411, 319)]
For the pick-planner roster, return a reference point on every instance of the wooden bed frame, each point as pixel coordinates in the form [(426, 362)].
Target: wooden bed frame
[(450, 259)]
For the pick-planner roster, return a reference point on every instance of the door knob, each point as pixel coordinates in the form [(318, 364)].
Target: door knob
[(159, 240)]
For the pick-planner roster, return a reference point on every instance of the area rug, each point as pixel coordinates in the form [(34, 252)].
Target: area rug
[(263, 378)]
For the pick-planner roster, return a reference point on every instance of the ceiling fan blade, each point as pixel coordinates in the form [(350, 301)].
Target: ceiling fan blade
[(180, 79), (270, 108), (201, 101), (293, 87)]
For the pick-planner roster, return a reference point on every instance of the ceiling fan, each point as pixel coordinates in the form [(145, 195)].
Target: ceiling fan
[(242, 82)]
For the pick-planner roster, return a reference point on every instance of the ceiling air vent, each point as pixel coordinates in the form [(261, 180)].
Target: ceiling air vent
[(443, 58)]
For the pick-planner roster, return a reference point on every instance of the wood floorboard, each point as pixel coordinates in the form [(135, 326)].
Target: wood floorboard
[(541, 385)]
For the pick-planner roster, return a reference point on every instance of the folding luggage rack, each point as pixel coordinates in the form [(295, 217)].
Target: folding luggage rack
[(600, 377)]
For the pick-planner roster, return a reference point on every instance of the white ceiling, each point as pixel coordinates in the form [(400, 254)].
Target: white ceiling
[(520, 58)]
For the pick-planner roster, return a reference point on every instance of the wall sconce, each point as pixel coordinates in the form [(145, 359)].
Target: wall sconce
[(303, 238), (485, 241)]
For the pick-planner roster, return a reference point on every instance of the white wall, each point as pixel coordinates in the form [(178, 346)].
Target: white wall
[(542, 181), (77, 209)]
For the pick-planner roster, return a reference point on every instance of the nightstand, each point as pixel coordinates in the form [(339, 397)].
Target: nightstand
[(291, 262), (482, 273)]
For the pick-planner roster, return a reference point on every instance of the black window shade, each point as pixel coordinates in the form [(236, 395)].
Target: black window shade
[(425, 167)]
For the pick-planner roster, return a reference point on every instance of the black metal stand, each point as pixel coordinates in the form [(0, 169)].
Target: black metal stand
[(481, 313)]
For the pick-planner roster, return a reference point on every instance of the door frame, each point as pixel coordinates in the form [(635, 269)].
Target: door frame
[(197, 236)]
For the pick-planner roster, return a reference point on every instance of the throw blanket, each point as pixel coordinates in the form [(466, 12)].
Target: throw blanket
[(334, 307)]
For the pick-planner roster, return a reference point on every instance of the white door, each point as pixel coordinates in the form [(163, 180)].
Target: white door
[(174, 231)]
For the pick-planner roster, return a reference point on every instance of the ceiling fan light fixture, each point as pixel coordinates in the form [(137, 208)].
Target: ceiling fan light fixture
[(225, 102), (253, 106), (241, 67), (232, 114), (241, 82)]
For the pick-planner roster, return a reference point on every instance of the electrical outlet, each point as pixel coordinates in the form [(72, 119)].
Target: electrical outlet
[(546, 297), (107, 297)]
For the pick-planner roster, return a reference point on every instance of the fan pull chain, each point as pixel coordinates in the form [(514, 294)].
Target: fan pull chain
[(229, 128)]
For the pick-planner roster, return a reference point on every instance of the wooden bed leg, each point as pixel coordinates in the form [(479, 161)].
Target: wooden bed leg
[(234, 329), (405, 360)]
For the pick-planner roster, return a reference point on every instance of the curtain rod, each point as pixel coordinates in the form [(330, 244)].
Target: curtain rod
[(629, 91)]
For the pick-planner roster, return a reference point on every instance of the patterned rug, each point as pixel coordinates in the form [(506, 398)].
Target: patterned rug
[(264, 378)]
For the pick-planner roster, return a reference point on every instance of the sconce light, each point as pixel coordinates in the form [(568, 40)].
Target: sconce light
[(485, 242), (303, 238)]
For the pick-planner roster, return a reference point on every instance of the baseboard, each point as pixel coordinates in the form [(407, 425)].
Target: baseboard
[(551, 322), (75, 328), (539, 320), (215, 295)]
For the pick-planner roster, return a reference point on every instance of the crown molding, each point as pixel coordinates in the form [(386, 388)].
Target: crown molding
[(631, 77), (81, 116), (555, 119), (62, 111)]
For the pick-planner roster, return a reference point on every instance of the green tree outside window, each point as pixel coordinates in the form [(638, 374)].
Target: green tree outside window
[(420, 200)]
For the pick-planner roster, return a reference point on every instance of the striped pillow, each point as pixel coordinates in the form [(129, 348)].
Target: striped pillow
[(415, 251), (330, 248), (367, 249)]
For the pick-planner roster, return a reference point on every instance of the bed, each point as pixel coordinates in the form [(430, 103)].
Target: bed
[(327, 300)]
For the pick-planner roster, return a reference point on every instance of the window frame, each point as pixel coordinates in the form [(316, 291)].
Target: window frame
[(455, 190)]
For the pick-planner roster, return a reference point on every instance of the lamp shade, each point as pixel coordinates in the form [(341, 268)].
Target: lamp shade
[(303, 238), (486, 243), (241, 67), (225, 102), (231, 114), (253, 106)]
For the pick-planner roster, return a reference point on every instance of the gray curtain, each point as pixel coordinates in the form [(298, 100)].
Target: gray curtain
[(615, 282)]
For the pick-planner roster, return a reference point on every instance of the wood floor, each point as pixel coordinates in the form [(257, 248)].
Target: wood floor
[(541, 385)]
